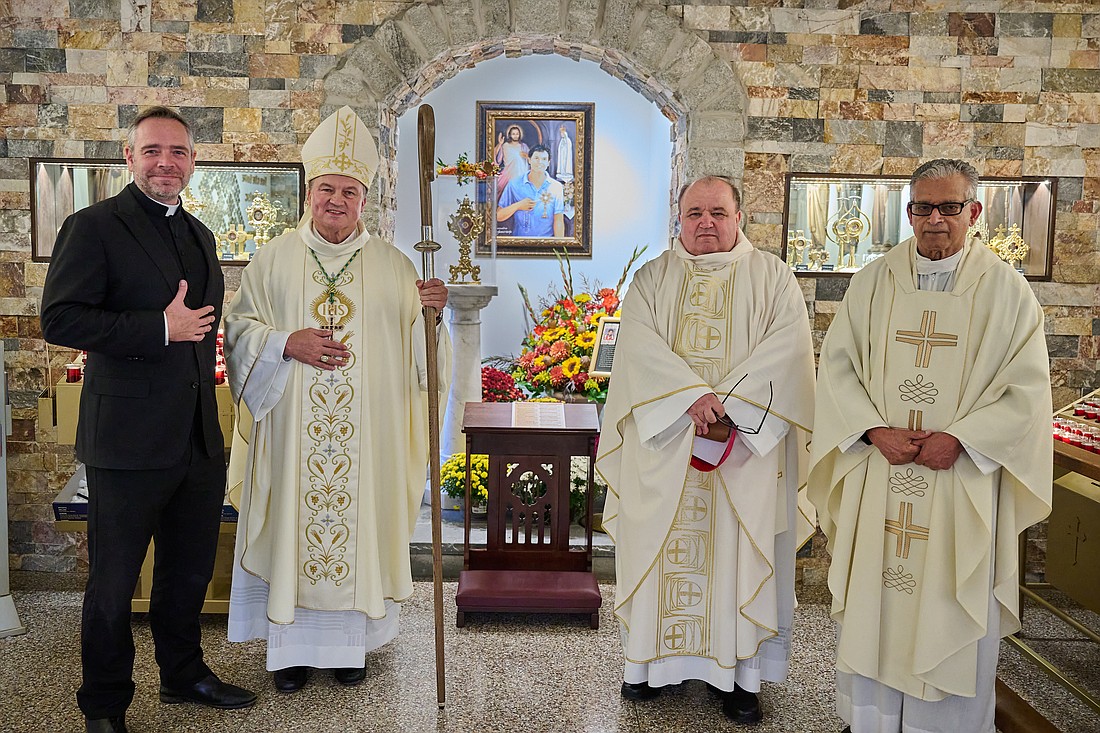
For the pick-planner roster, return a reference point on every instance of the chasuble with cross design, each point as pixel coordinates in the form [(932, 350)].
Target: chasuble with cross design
[(332, 476), (705, 561), (914, 550)]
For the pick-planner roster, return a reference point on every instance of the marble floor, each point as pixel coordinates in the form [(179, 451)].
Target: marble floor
[(504, 673)]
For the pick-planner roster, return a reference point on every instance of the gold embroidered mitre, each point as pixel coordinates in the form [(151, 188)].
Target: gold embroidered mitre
[(341, 145)]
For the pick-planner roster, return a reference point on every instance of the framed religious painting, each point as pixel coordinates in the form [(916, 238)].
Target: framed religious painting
[(544, 190), (244, 204)]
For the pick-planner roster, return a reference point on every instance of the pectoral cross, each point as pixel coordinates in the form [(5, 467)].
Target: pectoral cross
[(331, 313)]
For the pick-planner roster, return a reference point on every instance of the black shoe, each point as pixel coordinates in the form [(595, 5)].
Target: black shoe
[(742, 706), (639, 691), (291, 679), (212, 692), (350, 676), (105, 725), (847, 729)]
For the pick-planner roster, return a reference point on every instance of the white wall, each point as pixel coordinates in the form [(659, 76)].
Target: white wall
[(631, 166)]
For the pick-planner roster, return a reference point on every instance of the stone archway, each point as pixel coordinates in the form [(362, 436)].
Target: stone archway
[(385, 75)]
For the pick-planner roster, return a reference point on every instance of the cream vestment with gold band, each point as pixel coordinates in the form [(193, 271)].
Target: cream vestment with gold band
[(916, 551), (333, 475), (705, 561)]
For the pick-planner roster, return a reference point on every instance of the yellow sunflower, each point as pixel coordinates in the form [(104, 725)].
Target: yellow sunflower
[(586, 340), (571, 366)]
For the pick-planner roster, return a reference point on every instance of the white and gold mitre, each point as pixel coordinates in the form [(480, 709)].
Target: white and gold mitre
[(341, 145)]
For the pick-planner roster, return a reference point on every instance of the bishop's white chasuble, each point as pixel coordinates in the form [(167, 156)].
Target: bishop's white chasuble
[(705, 561), (330, 476), (918, 555)]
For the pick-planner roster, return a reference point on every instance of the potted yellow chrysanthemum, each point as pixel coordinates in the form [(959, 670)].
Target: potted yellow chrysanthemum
[(452, 478)]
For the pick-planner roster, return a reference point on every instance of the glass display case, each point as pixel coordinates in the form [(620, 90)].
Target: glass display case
[(244, 204), (836, 224)]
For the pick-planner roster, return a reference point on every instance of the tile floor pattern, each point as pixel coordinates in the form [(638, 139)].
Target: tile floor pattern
[(504, 673)]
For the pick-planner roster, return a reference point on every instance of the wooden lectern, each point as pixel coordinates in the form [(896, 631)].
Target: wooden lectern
[(527, 564)]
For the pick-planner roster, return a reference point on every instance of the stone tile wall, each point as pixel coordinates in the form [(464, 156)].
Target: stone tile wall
[(753, 90)]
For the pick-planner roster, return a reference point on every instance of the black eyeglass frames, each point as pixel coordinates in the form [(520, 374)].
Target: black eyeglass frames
[(725, 420), (947, 208)]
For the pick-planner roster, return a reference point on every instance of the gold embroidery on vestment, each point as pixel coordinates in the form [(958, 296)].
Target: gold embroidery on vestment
[(905, 531), (926, 339), (328, 498)]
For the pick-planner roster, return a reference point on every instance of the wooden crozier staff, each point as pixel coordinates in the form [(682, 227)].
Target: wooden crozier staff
[(425, 135)]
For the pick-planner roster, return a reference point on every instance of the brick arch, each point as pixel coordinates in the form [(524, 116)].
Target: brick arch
[(387, 74)]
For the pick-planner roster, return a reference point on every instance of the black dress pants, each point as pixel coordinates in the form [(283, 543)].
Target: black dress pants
[(180, 509)]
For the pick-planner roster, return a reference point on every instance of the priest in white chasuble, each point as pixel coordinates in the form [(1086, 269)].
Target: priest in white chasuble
[(932, 454), (712, 331), (325, 348)]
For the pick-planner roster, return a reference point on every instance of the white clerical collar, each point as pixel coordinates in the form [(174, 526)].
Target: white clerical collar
[(926, 266), (715, 259), (171, 207), (325, 248)]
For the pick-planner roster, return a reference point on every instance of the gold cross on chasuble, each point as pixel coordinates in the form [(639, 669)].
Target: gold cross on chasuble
[(927, 339), (904, 529)]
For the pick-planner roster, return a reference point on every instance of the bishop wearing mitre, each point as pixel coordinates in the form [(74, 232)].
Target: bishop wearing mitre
[(325, 347)]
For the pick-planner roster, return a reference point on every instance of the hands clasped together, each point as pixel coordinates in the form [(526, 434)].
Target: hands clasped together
[(318, 348), (937, 451)]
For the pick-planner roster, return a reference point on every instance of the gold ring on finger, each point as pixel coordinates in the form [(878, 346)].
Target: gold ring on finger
[(324, 358)]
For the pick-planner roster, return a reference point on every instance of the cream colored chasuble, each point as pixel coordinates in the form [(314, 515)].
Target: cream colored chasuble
[(704, 561), (914, 552), (335, 467), (332, 434)]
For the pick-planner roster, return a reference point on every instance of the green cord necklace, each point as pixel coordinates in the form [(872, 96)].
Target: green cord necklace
[(330, 282)]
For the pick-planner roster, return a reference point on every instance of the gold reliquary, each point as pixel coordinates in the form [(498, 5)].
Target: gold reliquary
[(836, 224), (244, 204)]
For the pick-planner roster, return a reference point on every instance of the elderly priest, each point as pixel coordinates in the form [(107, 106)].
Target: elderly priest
[(932, 454), (714, 335), (325, 347)]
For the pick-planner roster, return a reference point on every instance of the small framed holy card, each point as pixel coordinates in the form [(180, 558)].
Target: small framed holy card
[(603, 353)]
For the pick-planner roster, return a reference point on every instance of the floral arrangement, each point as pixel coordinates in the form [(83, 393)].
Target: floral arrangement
[(498, 386), (464, 169), (558, 351), (452, 477)]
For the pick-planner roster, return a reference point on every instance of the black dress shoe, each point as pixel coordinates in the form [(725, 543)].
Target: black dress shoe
[(742, 706), (291, 679), (105, 725), (212, 692), (350, 675), (639, 691)]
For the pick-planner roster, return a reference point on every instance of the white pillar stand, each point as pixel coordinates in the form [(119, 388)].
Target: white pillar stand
[(9, 617), (465, 303)]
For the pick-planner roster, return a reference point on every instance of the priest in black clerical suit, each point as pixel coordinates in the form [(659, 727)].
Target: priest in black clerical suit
[(135, 282)]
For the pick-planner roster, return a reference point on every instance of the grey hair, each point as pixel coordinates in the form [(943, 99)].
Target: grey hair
[(945, 168), (719, 179), (159, 113)]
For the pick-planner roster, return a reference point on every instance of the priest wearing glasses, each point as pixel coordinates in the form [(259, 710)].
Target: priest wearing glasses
[(932, 455), (714, 337), (325, 348)]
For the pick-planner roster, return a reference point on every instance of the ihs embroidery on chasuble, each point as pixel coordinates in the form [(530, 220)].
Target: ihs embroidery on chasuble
[(328, 498)]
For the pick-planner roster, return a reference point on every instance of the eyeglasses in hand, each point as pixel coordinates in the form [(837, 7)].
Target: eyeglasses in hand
[(725, 420), (947, 208)]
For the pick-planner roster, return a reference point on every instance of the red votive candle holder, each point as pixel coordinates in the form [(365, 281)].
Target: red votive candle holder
[(72, 372), (219, 375)]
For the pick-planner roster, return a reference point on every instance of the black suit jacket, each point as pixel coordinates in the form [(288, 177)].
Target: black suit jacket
[(111, 276)]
